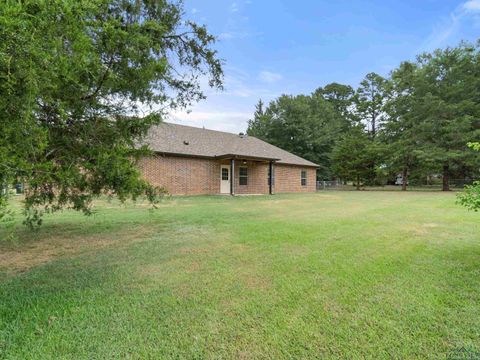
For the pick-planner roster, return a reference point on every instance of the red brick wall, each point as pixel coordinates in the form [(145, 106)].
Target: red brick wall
[(195, 176), (288, 178), (182, 175)]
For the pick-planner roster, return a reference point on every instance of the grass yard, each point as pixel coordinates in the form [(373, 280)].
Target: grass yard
[(329, 275)]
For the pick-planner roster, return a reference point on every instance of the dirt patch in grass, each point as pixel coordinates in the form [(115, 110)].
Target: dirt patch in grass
[(425, 229), (201, 250), (255, 281), (297, 251), (430, 225), (36, 253), (185, 261), (180, 265)]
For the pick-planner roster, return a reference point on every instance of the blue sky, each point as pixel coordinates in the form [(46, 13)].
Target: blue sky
[(290, 47)]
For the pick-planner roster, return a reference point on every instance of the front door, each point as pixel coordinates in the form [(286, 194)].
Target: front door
[(225, 179)]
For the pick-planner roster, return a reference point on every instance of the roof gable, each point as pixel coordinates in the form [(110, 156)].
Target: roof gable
[(192, 141)]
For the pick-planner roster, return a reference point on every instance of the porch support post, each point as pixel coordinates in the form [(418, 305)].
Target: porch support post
[(270, 178), (232, 176)]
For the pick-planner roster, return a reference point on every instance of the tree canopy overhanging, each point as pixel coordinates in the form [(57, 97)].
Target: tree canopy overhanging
[(76, 77)]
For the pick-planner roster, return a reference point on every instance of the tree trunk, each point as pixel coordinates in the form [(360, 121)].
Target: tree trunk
[(358, 182), (374, 125), (404, 179), (446, 186)]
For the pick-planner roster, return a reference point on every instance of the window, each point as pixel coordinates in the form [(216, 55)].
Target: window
[(243, 180), (304, 177), (224, 174)]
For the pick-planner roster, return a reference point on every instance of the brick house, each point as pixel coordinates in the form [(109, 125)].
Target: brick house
[(194, 161)]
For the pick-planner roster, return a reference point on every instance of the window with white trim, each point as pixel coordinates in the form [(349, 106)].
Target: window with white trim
[(303, 177), (243, 175)]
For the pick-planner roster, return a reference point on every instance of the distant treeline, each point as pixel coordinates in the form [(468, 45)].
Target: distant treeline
[(416, 122)]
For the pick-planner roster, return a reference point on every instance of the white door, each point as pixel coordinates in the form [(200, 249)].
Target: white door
[(225, 179)]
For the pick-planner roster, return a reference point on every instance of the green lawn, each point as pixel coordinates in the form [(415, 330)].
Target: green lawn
[(328, 275)]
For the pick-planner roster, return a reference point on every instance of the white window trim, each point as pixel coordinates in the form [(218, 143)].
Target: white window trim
[(240, 176)]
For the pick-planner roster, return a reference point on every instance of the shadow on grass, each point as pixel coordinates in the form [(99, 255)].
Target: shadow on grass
[(95, 303)]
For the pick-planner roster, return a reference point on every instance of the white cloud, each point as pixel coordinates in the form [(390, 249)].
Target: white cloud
[(229, 121), (234, 7), (229, 35), (227, 110), (472, 6), (237, 23), (269, 77), (194, 11), (239, 83), (230, 109), (226, 36), (451, 25), (233, 35)]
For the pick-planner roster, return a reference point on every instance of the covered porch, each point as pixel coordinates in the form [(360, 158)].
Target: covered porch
[(246, 174)]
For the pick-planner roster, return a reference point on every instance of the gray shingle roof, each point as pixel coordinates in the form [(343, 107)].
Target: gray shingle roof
[(187, 140)]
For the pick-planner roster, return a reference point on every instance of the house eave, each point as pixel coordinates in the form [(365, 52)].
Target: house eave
[(234, 156)]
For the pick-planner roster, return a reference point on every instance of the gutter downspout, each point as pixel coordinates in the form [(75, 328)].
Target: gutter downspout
[(270, 180), (232, 177)]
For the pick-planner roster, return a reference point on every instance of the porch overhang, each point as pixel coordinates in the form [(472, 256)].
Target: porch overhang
[(245, 157), (236, 157)]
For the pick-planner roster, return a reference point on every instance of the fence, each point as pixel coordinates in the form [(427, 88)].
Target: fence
[(455, 184), (327, 185)]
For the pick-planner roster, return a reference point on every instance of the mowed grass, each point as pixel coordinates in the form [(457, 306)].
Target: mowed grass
[(329, 275)]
